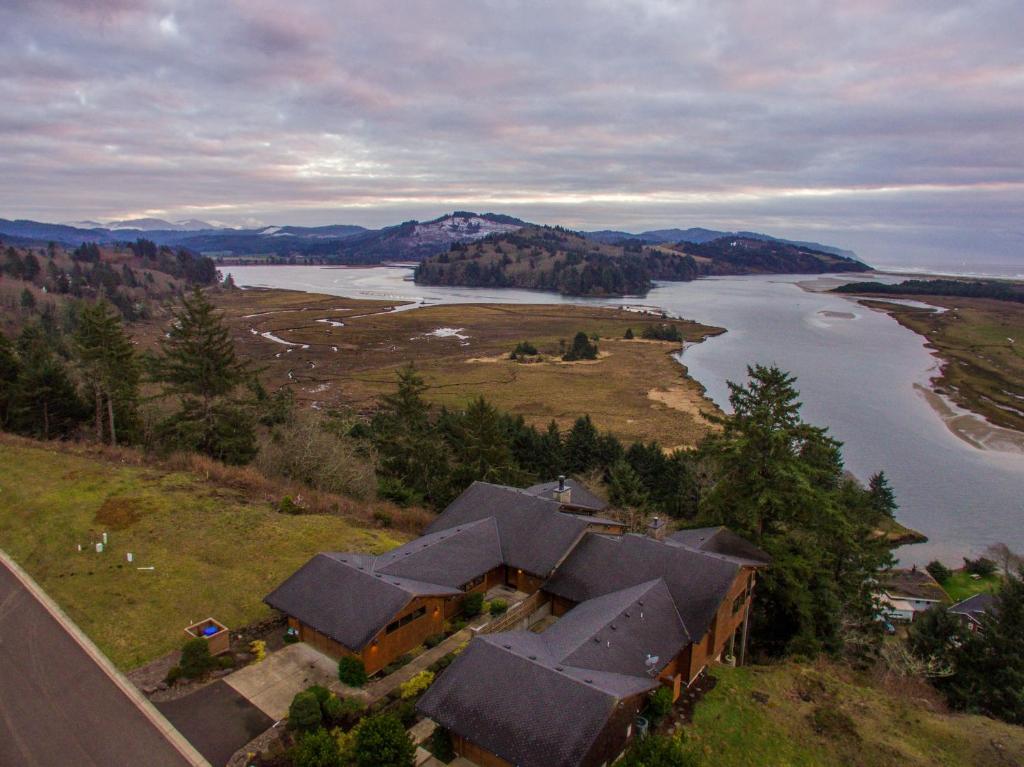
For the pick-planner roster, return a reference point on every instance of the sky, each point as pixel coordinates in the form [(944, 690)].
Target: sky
[(892, 128)]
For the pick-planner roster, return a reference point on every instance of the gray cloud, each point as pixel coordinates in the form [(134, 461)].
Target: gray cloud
[(892, 127)]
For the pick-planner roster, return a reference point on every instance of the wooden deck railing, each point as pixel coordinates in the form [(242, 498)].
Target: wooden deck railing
[(515, 614)]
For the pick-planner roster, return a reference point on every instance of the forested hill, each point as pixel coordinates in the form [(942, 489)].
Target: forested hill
[(553, 258), (997, 289)]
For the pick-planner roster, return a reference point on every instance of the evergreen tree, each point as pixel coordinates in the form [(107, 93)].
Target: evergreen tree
[(411, 450), (107, 361), (626, 491), (883, 499), (46, 403), (581, 446), (198, 365), (779, 482), (989, 666), (10, 368), (480, 446)]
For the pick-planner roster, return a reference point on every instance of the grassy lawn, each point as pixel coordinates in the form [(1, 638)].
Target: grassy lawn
[(761, 716), (214, 553), (960, 585), (636, 389)]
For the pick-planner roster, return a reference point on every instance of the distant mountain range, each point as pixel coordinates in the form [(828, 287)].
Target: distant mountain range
[(343, 243)]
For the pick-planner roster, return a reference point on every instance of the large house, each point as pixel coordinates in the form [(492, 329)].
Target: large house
[(631, 613)]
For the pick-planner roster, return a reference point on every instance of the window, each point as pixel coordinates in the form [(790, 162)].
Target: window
[(405, 620), (475, 582), (737, 603)]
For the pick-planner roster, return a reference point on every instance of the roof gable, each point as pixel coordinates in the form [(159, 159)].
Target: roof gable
[(341, 596), (535, 536), (697, 581)]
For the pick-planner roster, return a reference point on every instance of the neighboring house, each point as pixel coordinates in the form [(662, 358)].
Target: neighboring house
[(905, 593), (972, 609), (633, 613), (379, 608)]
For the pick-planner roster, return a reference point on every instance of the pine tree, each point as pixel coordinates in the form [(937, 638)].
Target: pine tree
[(480, 446), (626, 491), (45, 402), (108, 365), (779, 482), (989, 674), (10, 368), (581, 446), (198, 365), (883, 499)]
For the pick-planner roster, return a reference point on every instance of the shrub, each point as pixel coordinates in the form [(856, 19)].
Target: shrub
[(288, 506), (472, 605), (524, 349), (629, 334), (938, 571), (226, 661), (258, 648), (658, 751), (581, 349), (662, 332), (417, 684), (382, 518), (458, 624), (982, 566), (196, 660), (406, 712), (351, 672), (433, 640), (498, 606), (343, 712), (321, 693), (173, 674), (659, 704), (304, 713), (381, 741), (394, 490), (441, 745), (316, 749)]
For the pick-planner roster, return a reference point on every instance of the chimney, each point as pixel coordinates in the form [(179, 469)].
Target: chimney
[(657, 528), (564, 492)]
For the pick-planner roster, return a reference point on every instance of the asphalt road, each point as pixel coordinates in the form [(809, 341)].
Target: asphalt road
[(59, 705)]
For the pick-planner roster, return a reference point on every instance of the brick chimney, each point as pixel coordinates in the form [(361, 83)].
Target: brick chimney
[(564, 492), (657, 528)]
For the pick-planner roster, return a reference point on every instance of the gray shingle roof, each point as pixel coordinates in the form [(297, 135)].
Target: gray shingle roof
[(534, 534), (913, 583), (618, 631), (579, 495), (721, 540), (341, 595), (697, 581), (451, 557), (975, 606), (508, 694)]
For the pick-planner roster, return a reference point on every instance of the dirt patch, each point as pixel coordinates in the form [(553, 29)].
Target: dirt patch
[(120, 512), (682, 398)]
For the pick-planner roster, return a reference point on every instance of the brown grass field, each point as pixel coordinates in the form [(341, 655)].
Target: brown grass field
[(636, 389)]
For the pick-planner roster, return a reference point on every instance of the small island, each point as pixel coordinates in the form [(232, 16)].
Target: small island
[(566, 262)]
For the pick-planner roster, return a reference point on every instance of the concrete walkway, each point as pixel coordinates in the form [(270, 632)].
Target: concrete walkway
[(271, 684), (378, 689)]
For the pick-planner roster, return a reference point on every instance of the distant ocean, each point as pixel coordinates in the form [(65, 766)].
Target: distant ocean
[(1004, 271)]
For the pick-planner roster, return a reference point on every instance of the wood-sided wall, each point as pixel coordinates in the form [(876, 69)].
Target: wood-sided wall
[(476, 754), (728, 622)]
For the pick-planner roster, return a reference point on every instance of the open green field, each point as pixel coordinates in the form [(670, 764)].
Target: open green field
[(981, 344), (960, 585), (213, 551), (353, 350), (762, 716)]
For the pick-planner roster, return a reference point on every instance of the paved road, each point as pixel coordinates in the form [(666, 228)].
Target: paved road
[(217, 720), (61, 702)]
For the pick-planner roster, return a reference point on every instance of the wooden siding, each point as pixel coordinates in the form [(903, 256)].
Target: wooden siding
[(390, 646), (476, 754), (726, 623), (616, 734)]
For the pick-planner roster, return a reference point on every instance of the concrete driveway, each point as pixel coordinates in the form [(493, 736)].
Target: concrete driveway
[(271, 684)]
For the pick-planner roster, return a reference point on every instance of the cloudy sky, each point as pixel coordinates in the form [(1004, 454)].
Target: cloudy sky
[(894, 128)]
